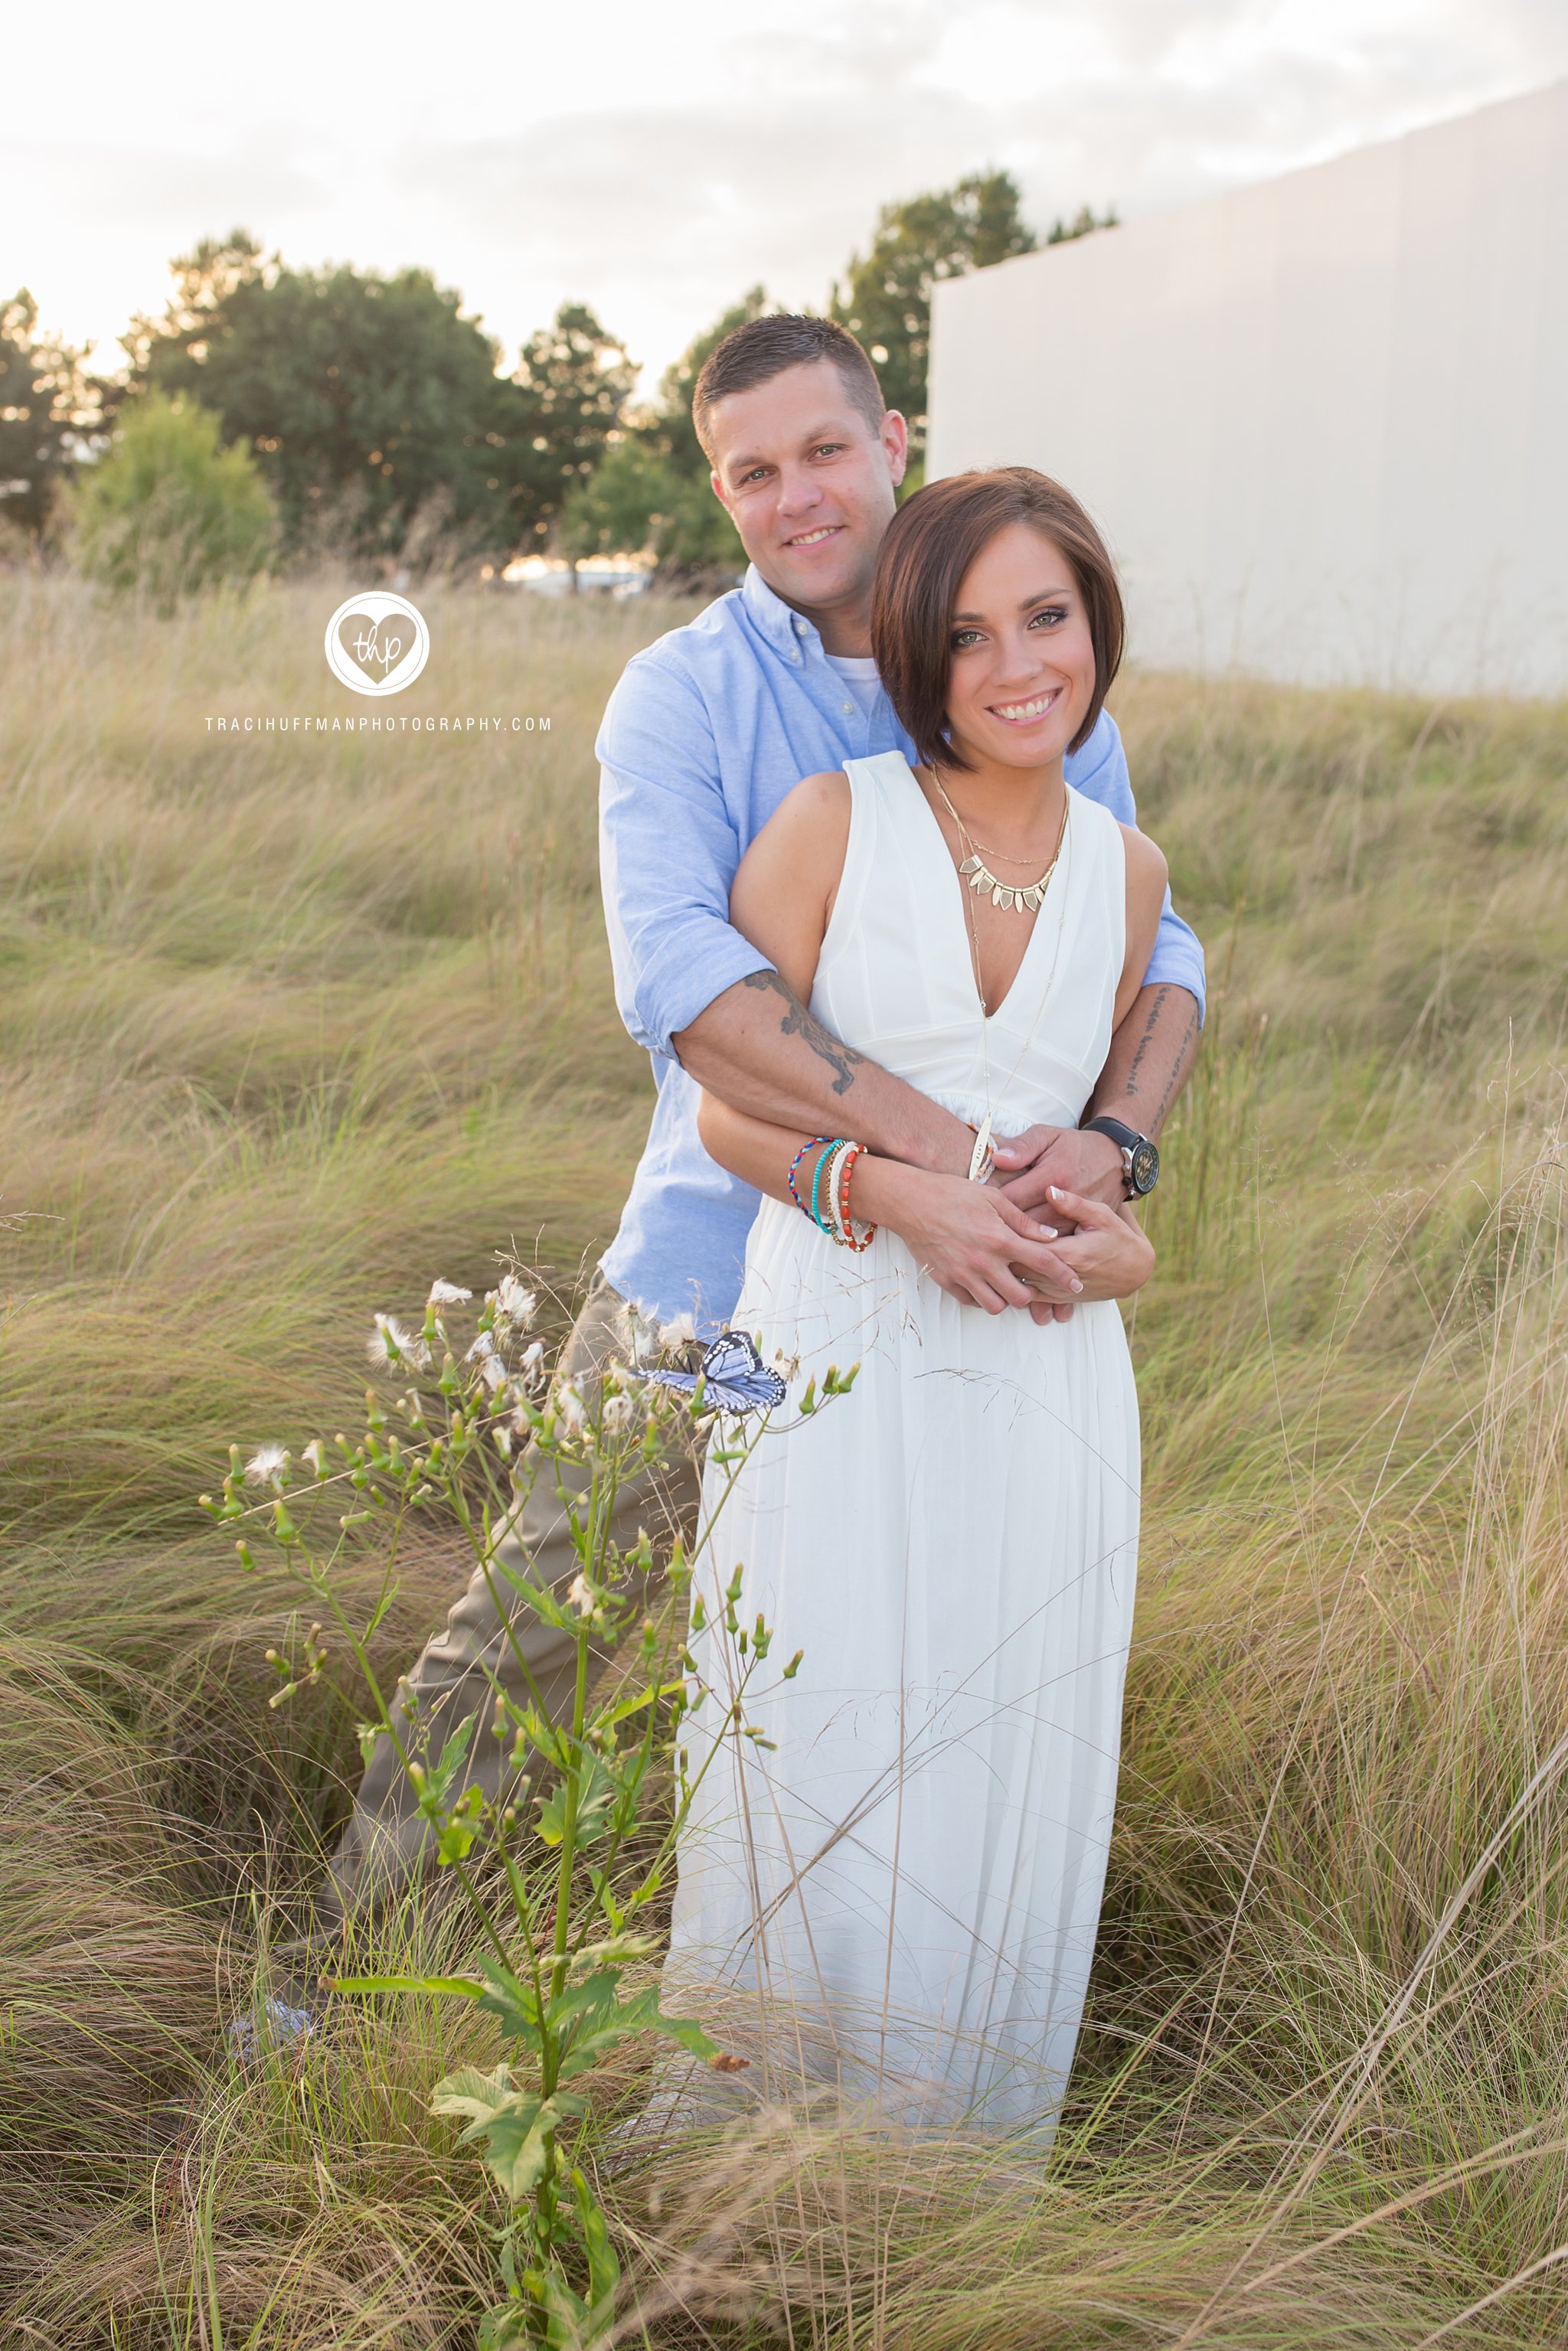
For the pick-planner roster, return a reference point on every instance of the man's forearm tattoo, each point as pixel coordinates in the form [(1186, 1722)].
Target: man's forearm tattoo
[(1150, 1025), (800, 1022), (1176, 1069)]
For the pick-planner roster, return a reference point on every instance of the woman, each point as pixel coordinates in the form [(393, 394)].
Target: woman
[(909, 1853)]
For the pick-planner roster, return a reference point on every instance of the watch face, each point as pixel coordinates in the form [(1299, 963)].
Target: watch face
[(1143, 1166)]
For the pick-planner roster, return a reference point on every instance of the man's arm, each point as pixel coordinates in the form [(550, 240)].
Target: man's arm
[(761, 1049), (1151, 1056), (1155, 1042), (687, 984)]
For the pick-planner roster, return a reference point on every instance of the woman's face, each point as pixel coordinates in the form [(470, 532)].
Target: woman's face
[(1023, 661)]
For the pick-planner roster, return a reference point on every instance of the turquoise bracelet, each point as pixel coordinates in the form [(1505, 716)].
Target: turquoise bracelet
[(831, 1153)]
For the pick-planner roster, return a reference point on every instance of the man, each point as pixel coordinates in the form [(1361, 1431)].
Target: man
[(704, 735)]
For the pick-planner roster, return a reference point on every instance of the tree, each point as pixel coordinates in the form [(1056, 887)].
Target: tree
[(635, 502), (1084, 223), (168, 509), (370, 400), (573, 380), (652, 491), (671, 419), (46, 415), (886, 298)]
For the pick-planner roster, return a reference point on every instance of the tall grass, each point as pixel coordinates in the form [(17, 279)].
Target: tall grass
[(286, 1027)]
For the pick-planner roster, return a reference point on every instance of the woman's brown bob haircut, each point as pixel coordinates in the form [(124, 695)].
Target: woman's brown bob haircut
[(931, 543)]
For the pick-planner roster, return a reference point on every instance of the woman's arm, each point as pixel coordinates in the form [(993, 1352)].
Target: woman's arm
[(969, 1238), (967, 1235)]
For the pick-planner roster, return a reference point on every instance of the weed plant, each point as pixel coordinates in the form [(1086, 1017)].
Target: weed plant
[(289, 1024)]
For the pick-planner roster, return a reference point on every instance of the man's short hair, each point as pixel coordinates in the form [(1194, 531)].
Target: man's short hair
[(764, 347)]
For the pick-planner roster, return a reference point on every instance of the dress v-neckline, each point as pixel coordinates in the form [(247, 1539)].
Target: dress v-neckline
[(970, 957)]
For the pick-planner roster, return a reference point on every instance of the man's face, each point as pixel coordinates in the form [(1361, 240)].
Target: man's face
[(808, 482)]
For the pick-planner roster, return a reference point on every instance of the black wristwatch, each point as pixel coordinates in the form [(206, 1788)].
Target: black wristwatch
[(1140, 1159)]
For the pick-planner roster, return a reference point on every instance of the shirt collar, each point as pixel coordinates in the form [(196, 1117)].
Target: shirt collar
[(789, 631)]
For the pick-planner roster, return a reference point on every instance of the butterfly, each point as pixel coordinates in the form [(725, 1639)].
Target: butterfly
[(733, 1374)]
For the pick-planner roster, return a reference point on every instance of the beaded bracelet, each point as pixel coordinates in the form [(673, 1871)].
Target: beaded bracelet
[(821, 1222), (830, 1178), (794, 1166), (844, 1221)]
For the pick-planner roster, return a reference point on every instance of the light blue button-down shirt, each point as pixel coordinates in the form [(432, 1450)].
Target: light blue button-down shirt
[(705, 733)]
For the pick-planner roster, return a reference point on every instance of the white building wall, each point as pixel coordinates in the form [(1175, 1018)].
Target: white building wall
[(1323, 422)]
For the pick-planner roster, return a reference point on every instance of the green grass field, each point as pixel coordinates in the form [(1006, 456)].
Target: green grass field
[(289, 1026)]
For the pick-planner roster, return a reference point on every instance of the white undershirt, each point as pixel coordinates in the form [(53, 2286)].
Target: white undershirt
[(859, 673)]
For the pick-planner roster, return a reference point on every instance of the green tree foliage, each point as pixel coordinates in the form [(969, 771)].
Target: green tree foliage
[(1084, 223), (652, 493), (371, 401), (620, 507), (673, 416), (886, 298), (169, 509), (46, 410), (573, 380)]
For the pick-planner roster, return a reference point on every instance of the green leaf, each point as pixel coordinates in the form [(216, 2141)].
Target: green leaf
[(603, 2267), (448, 1987), (518, 2144), (596, 1795), (604, 2023), (571, 2324), (461, 1827), (508, 2327), (513, 2004), (513, 2125), (638, 1705), (469, 2092)]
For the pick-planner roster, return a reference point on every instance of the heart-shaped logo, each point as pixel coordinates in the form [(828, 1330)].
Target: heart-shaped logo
[(377, 643), (374, 646)]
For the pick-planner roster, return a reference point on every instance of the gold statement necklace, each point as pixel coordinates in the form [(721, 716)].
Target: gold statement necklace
[(1030, 897), (982, 1157)]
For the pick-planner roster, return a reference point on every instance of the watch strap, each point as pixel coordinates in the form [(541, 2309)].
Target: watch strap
[(1127, 1138)]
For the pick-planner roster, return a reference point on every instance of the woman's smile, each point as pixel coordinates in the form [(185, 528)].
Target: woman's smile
[(1023, 714)]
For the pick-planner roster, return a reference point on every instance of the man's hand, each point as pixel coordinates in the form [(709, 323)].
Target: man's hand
[(1146, 1069), (969, 1238), (1065, 1157)]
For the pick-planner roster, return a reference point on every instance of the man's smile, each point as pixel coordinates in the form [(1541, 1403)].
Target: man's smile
[(815, 537)]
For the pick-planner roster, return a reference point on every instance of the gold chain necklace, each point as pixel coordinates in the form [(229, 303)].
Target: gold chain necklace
[(982, 1158), (1009, 895)]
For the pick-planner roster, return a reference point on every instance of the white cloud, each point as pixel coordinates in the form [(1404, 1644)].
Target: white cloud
[(649, 164)]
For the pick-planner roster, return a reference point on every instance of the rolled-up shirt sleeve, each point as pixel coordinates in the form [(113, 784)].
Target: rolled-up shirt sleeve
[(668, 851), (1100, 770)]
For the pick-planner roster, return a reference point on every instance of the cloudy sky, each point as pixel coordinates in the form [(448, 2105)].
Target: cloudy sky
[(655, 161)]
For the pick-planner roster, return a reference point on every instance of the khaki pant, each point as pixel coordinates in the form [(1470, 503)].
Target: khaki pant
[(457, 1672)]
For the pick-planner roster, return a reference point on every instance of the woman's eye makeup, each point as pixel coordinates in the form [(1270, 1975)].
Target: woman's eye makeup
[(1047, 616)]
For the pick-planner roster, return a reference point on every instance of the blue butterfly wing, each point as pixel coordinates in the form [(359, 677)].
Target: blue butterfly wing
[(734, 1376)]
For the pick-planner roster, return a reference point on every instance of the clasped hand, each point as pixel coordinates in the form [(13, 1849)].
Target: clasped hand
[(985, 1251)]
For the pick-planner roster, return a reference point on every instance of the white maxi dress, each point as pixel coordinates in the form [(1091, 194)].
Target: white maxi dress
[(911, 1873)]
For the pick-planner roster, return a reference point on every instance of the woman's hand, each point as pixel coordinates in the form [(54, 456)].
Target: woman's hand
[(969, 1237), (1110, 1254)]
